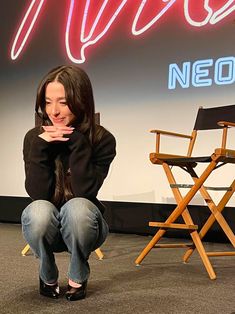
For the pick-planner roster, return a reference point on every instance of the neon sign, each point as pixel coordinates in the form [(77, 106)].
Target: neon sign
[(109, 11), (213, 16), (88, 41), (202, 73)]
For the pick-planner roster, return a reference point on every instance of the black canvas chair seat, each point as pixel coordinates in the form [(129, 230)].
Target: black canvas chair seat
[(185, 161)]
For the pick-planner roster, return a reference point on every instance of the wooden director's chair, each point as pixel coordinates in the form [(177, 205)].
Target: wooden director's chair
[(38, 120), (207, 119)]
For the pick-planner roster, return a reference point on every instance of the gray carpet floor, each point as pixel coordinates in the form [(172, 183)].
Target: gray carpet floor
[(162, 284)]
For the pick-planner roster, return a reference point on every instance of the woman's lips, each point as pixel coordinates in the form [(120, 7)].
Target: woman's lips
[(57, 120)]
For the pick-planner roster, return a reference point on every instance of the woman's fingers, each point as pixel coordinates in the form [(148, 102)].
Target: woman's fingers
[(61, 139), (52, 128), (48, 138), (53, 136)]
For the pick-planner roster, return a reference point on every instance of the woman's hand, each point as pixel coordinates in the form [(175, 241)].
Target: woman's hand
[(56, 133)]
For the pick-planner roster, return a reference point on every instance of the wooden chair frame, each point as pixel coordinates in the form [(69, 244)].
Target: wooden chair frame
[(219, 157)]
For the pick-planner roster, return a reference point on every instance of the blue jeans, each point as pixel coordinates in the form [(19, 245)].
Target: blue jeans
[(78, 227)]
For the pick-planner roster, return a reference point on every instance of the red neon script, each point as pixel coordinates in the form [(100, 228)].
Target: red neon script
[(85, 28)]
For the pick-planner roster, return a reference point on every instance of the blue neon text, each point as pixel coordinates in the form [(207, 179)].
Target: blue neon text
[(202, 73)]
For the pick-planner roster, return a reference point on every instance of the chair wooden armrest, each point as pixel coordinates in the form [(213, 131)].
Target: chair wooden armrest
[(226, 124), (171, 133), (225, 153), (162, 132)]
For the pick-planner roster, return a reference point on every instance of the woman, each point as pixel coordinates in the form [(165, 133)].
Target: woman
[(66, 161)]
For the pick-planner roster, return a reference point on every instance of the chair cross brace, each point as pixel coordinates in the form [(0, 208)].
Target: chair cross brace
[(186, 186)]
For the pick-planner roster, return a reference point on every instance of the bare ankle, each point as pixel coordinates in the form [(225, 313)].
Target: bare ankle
[(74, 284)]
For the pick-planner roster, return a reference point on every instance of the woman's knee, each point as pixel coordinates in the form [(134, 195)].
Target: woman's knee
[(79, 214), (79, 208), (38, 215)]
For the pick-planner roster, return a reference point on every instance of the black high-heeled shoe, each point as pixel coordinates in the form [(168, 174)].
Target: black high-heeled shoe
[(74, 294), (48, 290)]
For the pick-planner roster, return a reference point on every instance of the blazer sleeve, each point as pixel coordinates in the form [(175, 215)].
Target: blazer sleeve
[(39, 166), (89, 166)]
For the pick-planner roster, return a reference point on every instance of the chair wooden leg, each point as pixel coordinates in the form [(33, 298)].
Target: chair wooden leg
[(97, 251), (149, 246), (99, 254), (212, 217), (25, 250), (188, 220), (216, 211), (201, 251)]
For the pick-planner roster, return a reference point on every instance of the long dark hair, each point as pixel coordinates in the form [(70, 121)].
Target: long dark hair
[(80, 100)]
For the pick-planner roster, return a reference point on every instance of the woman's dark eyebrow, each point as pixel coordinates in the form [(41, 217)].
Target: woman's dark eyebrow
[(59, 98)]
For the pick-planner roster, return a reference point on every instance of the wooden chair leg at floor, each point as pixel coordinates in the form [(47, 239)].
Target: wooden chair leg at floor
[(25, 250), (188, 221), (97, 251), (221, 205), (99, 254)]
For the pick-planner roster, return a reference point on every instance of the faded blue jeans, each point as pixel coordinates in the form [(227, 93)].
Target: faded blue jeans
[(78, 227)]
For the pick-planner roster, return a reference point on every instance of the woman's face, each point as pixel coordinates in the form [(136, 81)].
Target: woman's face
[(56, 106)]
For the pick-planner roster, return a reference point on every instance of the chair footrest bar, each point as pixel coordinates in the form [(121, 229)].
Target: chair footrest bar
[(172, 225), (173, 245), (220, 253)]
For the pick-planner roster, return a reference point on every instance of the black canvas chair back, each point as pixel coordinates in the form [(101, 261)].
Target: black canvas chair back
[(207, 118)]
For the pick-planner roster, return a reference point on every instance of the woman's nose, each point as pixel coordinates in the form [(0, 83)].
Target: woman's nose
[(55, 109)]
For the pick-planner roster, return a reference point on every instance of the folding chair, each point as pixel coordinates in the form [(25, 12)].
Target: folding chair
[(27, 248), (207, 119)]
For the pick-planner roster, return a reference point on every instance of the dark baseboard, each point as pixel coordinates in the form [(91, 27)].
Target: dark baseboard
[(131, 217), (11, 208)]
